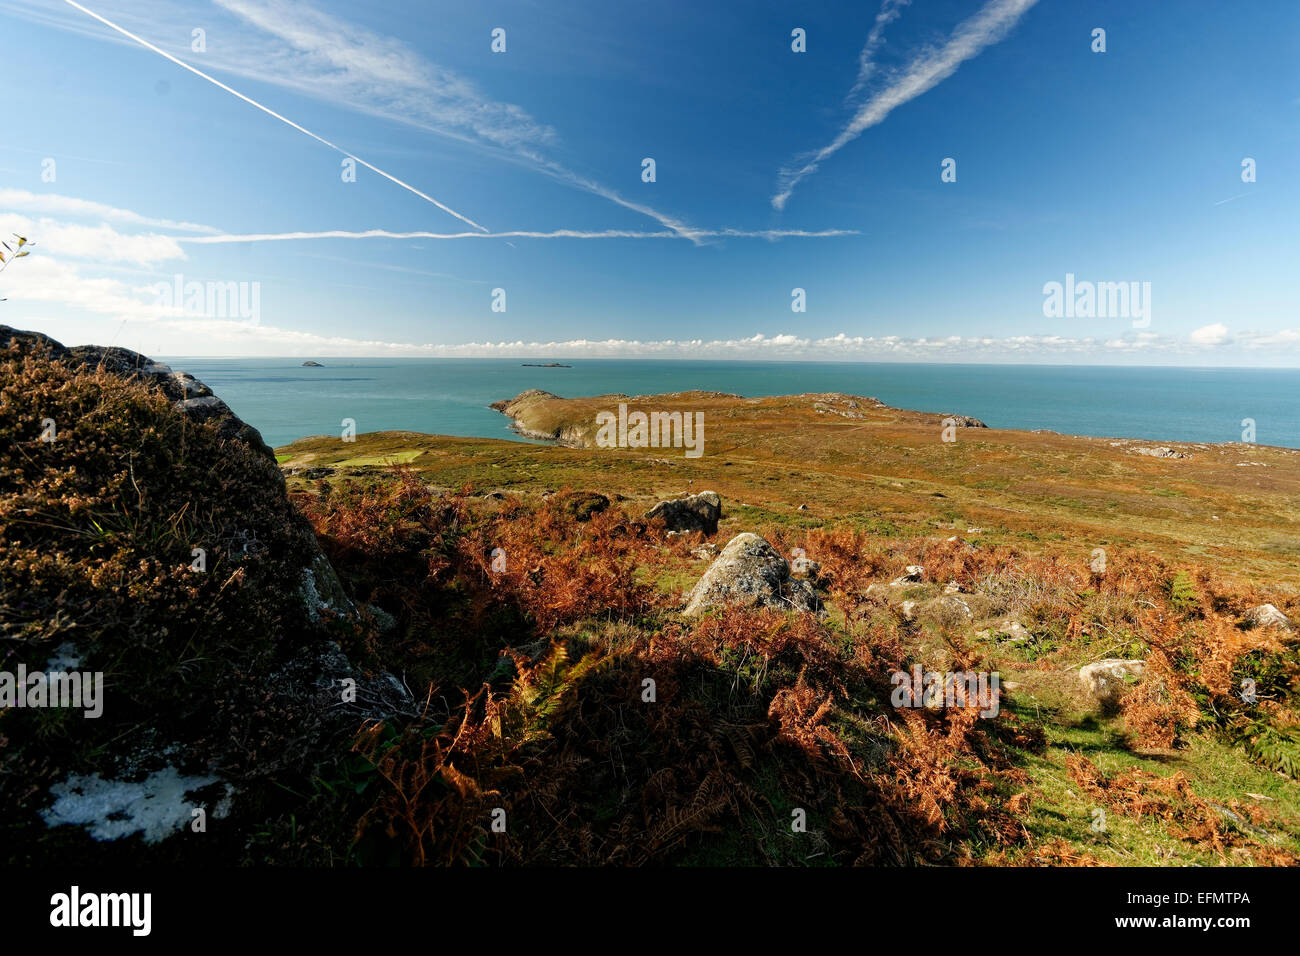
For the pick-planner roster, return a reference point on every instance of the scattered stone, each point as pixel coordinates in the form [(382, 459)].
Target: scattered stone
[(908, 610), (750, 572), (948, 605), (1160, 451), (1266, 615), (708, 550), (952, 587), (698, 512), (912, 574), (807, 567), (1013, 631), (1107, 680), (803, 507)]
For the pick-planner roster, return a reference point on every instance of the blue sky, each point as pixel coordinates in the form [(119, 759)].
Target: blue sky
[(1122, 166)]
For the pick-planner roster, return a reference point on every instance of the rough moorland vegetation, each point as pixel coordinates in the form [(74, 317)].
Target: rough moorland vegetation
[(510, 679)]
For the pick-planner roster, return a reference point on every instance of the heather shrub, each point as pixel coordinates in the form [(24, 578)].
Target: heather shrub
[(97, 533)]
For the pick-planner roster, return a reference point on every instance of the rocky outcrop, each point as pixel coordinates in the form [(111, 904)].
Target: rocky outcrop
[(1009, 630), (699, 512), (174, 565), (189, 396), (1159, 451), (751, 573)]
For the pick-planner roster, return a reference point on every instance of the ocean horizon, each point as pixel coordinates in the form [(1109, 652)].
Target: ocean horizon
[(450, 396)]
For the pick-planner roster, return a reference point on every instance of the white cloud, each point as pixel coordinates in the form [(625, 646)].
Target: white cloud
[(101, 243), (782, 346), (927, 70), (54, 204), (47, 281), (1214, 334)]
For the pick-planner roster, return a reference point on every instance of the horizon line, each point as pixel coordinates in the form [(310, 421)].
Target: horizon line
[(754, 361)]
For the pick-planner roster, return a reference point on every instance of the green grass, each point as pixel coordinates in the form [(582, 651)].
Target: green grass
[(394, 458), (1218, 773)]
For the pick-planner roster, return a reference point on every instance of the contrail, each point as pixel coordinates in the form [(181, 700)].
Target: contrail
[(926, 71), (270, 112), (518, 234), (890, 11)]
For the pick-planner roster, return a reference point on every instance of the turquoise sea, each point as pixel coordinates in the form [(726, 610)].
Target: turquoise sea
[(450, 396)]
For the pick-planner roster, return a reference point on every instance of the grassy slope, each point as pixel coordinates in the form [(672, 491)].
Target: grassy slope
[(1230, 507)]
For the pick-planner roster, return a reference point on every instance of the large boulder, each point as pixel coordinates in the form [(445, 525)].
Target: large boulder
[(752, 573), (694, 513), (155, 546)]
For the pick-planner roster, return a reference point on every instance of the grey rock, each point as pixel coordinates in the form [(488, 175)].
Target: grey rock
[(912, 574), (383, 620), (1107, 680), (1013, 632), (1161, 451), (1266, 615), (752, 573), (694, 513)]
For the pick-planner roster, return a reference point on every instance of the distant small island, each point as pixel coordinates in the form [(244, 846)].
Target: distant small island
[(547, 365), (310, 364)]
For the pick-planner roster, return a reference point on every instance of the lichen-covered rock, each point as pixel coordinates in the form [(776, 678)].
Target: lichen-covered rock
[(964, 421), (699, 512), (1109, 680), (170, 561), (1266, 615), (750, 572), (1009, 630)]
